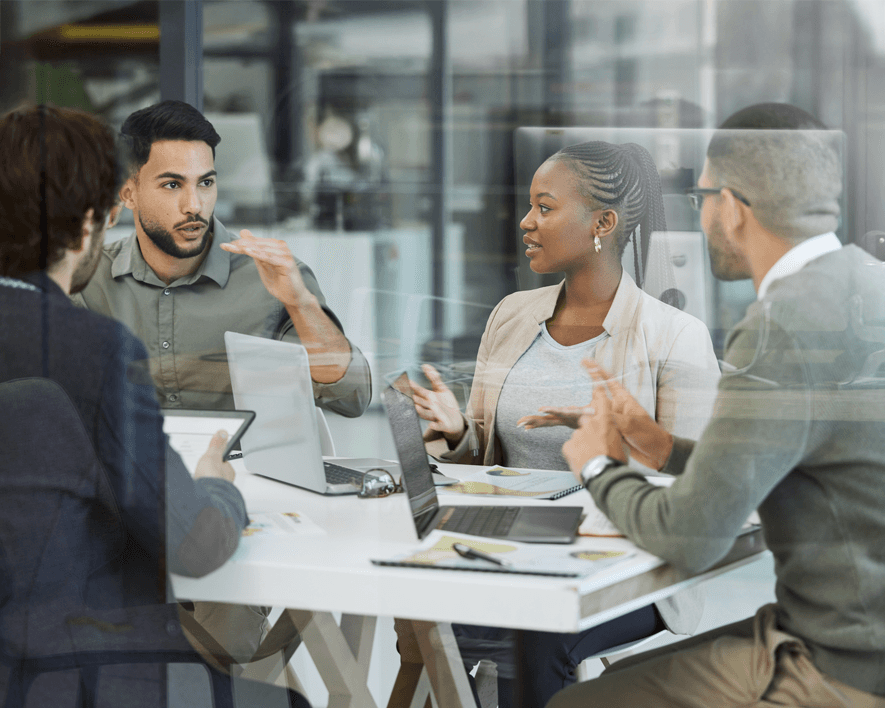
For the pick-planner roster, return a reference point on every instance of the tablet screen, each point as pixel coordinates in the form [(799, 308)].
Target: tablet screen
[(190, 431)]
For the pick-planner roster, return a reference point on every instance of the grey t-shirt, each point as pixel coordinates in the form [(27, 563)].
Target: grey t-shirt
[(547, 374)]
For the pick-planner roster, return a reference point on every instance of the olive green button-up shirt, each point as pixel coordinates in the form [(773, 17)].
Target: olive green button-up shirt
[(183, 324)]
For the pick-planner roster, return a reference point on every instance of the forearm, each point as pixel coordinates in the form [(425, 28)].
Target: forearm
[(678, 457), (328, 350), (349, 395), (204, 522), (674, 525)]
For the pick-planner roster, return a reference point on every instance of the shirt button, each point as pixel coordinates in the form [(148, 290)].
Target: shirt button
[(165, 345), (167, 291), (172, 397)]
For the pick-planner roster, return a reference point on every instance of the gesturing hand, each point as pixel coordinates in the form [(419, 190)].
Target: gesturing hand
[(211, 464), (276, 266), (438, 406), (551, 416), (648, 442)]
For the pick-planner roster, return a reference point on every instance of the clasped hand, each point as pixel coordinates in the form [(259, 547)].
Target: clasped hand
[(614, 424)]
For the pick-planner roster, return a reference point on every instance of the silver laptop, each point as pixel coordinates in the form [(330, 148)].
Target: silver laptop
[(529, 524), (272, 378)]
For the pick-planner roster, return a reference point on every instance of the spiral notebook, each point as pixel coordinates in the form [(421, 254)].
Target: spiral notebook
[(503, 556), (518, 482)]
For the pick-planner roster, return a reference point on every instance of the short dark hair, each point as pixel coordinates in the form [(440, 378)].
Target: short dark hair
[(167, 120), (772, 116), (71, 154), (786, 163)]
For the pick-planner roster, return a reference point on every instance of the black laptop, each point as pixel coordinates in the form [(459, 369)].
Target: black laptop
[(529, 524)]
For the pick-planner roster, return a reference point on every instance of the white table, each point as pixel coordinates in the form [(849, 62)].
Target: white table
[(333, 573)]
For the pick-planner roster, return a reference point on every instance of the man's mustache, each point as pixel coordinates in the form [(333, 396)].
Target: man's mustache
[(192, 220)]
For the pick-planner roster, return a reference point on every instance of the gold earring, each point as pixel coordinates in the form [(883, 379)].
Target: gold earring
[(597, 244)]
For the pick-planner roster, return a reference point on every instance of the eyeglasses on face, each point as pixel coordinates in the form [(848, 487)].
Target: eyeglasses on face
[(696, 196)]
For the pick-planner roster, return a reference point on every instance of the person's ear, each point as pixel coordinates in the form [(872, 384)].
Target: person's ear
[(735, 216), (127, 193), (606, 223)]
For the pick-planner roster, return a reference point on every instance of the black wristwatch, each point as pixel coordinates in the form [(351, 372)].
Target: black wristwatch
[(596, 466)]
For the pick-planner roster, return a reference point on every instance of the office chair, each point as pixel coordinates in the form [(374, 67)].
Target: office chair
[(60, 537), (606, 654)]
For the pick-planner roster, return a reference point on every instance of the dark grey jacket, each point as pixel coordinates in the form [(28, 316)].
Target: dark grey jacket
[(101, 366)]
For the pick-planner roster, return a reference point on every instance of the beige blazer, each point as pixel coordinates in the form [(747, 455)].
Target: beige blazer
[(662, 356)]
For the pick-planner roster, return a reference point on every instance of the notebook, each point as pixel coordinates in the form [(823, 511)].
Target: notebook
[(437, 551), (533, 524)]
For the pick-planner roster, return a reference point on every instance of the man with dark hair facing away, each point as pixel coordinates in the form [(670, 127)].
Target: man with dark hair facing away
[(797, 433), (182, 280), (58, 195)]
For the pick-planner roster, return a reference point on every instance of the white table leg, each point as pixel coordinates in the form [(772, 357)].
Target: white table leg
[(359, 633), (343, 675)]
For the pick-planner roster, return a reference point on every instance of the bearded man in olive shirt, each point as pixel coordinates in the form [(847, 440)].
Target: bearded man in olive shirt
[(182, 280)]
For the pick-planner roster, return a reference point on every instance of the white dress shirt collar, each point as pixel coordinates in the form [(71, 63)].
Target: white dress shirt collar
[(798, 257)]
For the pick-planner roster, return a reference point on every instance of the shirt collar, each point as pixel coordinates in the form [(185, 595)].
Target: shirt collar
[(216, 265), (797, 258), (620, 314)]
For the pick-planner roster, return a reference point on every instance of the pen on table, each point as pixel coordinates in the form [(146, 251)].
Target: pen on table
[(472, 554)]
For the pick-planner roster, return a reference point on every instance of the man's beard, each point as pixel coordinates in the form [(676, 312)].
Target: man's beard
[(87, 267), (164, 240), (726, 262)]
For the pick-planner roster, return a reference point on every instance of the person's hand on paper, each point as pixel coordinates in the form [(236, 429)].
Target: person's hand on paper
[(597, 434), (438, 405), (211, 464), (648, 442)]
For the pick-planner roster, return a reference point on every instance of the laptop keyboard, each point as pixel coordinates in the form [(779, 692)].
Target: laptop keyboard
[(482, 520), (336, 474)]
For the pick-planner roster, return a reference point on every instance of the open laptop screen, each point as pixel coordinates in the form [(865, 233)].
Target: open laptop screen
[(417, 478)]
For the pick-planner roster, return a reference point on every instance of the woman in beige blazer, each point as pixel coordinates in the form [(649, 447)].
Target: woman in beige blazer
[(588, 202)]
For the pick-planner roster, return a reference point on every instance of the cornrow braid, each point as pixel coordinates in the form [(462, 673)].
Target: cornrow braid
[(623, 178)]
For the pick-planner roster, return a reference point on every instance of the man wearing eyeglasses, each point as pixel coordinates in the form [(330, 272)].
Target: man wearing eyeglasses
[(797, 434)]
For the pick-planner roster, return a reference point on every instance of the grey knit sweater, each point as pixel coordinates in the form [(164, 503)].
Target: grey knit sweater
[(798, 433)]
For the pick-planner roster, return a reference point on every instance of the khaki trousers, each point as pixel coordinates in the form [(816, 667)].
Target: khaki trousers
[(750, 663), (238, 629)]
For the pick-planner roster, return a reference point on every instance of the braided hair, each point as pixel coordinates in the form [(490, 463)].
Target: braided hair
[(623, 178)]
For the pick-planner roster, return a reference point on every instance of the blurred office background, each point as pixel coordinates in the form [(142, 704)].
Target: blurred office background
[(391, 142), (381, 137)]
